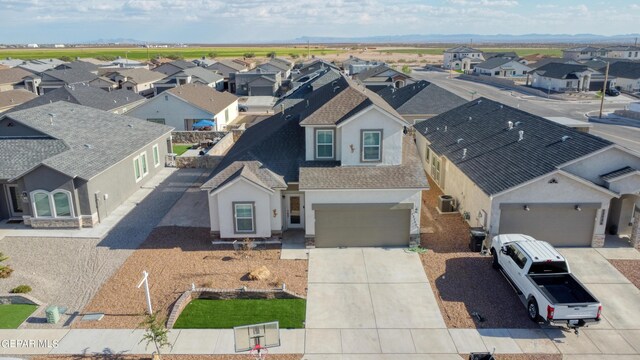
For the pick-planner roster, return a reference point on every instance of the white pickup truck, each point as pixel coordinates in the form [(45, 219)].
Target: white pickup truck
[(542, 279)]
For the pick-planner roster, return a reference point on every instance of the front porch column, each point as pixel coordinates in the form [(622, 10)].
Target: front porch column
[(635, 229)]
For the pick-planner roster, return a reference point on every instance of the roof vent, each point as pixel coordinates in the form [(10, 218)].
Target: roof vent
[(88, 146), (517, 123), (130, 125), (501, 106), (479, 101), (509, 125), (114, 101), (464, 152), (336, 88), (470, 118), (307, 102), (51, 116), (12, 101), (520, 135), (565, 138), (459, 140), (445, 128)]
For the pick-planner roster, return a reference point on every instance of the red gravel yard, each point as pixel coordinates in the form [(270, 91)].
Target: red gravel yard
[(464, 282)]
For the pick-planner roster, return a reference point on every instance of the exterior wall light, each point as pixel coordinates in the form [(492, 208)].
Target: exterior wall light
[(526, 208)]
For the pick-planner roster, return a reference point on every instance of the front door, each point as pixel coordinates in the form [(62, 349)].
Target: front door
[(294, 211), (14, 199)]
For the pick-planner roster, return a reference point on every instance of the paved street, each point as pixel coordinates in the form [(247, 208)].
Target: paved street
[(623, 135)]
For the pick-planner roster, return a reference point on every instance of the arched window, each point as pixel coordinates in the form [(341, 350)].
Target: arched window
[(52, 204), (41, 204)]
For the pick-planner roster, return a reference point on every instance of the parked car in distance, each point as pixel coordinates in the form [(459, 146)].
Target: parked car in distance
[(542, 278), (612, 92)]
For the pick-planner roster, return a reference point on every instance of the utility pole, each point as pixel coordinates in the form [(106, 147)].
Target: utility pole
[(604, 89), (145, 281)]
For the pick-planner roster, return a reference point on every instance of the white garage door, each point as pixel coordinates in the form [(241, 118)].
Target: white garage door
[(358, 225), (559, 224)]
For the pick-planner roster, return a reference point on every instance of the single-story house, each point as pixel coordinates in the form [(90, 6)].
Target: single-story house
[(128, 64), (354, 65), (627, 75), (194, 75), (562, 77), (138, 80), (335, 165), (53, 79), (225, 68), (502, 67), (115, 101), (276, 66), (64, 165), (11, 98), (37, 66), (420, 100), (12, 78), (509, 171), (583, 53), (379, 77), (256, 82), (173, 67), (302, 73), (79, 65), (184, 105)]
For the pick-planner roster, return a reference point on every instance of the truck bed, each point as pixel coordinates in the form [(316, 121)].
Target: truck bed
[(562, 289)]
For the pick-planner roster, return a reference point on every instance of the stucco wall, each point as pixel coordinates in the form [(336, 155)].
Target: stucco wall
[(468, 196), (361, 197), (44, 178), (371, 119), (222, 214), (119, 182), (628, 84), (310, 142), (609, 160), (171, 109), (565, 190)]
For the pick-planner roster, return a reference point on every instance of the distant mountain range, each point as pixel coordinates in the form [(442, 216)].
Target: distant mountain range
[(474, 38)]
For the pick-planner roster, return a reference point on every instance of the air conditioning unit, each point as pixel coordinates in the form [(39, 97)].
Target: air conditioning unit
[(446, 203)]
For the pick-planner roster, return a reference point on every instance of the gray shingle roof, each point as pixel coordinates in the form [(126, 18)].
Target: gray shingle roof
[(207, 76), (625, 69), (13, 75), (78, 64), (19, 156), (494, 62), (96, 139), (463, 48), (495, 160), (422, 97), (230, 64), (617, 173), (84, 95), (560, 71), (253, 171), (408, 175), (140, 76), (15, 97), (204, 97), (70, 76)]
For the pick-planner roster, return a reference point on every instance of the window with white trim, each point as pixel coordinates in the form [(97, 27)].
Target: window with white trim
[(371, 145), (144, 164), (324, 144), (243, 216), (156, 155), (55, 204), (136, 168), (435, 169)]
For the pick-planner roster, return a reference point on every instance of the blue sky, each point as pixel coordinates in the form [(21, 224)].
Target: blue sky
[(218, 21)]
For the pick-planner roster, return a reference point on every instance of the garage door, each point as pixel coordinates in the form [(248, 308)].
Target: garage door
[(559, 224), (261, 91), (356, 225)]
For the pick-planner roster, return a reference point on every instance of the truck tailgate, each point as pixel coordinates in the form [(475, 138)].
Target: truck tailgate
[(576, 311)]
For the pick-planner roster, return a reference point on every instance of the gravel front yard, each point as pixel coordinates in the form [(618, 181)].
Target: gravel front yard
[(166, 357), (630, 269), (69, 271), (177, 257), (464, 282)]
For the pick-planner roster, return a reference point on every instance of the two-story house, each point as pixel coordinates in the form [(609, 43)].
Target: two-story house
[(335, 164), (462, 58)]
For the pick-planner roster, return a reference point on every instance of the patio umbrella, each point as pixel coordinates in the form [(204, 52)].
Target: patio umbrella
[(203, 123)]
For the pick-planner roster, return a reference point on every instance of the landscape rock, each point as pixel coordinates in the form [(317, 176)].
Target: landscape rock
[(261, 273)]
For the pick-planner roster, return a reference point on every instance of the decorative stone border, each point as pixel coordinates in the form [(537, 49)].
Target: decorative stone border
[(19, 299), (225, 294)]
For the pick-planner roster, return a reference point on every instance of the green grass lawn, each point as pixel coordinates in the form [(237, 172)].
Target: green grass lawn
[(225, 314), (181, 149), (520, 51), (136, 53), (11, 316)]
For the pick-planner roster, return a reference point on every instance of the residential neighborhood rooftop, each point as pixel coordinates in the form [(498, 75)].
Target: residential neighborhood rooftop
[(13, 75), (204, 97), (421, 97), (560, 71)]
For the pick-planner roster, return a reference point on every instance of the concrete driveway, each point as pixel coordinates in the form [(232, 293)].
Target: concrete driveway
[(369, 300)]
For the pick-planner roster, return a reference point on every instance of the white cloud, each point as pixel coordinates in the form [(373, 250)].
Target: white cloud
[(508, 3)]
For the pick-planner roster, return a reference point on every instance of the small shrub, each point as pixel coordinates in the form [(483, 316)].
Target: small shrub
[(5, 270), (406, 69), (212, 54), (271, 54), (294, 56), (175, 57), (249, 55), (21, 289)]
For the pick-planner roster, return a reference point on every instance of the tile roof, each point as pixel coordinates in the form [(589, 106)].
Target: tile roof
[(495, 160), (422, 97), (617, 173), (560, 71), (141, 76), (19, 156), (204, 97), (625, 69), (15, 97), (96, 139), (408, 175), (86, 95), (13, 75)]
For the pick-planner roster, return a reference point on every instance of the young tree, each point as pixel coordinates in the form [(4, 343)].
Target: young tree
[(406, 69), (271, 54), (155, 332)]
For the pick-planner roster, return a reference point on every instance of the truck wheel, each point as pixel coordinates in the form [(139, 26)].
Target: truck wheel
[(495, 263), (532, 310)]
